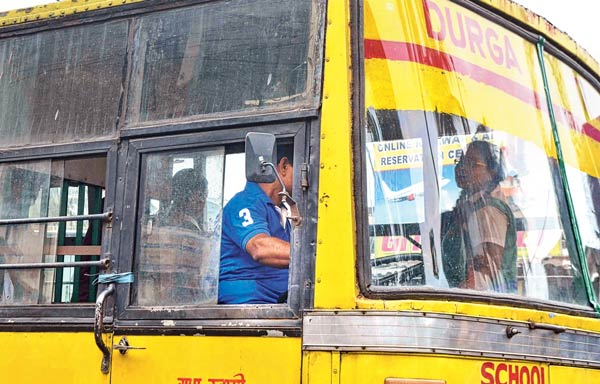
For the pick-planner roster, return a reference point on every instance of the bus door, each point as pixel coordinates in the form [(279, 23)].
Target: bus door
[(168, 326)]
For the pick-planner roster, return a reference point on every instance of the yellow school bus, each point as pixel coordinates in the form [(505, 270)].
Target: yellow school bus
[(104, 102)]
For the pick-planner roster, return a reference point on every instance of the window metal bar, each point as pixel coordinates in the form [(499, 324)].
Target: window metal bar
[(591, 293), (106, 216), (102, 263)]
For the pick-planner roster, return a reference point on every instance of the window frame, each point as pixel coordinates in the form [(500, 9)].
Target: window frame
[(132, 12), (181, 125), (75, 315), (302, 264), (359, 142)]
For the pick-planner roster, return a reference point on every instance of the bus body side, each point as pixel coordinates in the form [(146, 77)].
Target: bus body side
[(379, 100)]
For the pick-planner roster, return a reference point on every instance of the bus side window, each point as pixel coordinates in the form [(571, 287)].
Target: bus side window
[(50, 188), (255, 247), (179, 236), (182, 196)]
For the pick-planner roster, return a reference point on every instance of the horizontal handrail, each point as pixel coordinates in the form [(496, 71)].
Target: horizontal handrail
[(102, 263), (106, 216)]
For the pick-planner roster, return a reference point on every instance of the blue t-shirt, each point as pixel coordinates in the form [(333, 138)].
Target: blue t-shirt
[(242, 280)]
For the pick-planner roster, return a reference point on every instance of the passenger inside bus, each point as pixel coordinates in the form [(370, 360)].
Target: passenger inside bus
[(255, 241), (479, 234), (177, 251)]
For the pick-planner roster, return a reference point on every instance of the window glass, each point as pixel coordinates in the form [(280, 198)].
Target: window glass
[(62, 85), (50, 189), (577, 109), (463, 189), (219, 57), (235, 176), (180, 233)]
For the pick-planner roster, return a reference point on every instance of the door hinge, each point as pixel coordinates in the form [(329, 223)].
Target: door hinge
[(304, 176)]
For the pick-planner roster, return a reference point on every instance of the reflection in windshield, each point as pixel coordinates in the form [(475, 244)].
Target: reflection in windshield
[(472, 209), (479, 234)]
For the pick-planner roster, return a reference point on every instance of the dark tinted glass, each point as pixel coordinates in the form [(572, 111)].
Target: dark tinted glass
[(224, 56), (61, 86)]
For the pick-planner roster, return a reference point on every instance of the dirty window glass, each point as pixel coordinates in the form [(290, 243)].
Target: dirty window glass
[(62, 85), (475, 209), (180, 228), (220, 57), (577, 111), (49, 189), (463, 186)]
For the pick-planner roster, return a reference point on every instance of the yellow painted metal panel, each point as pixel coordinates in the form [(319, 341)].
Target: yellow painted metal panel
[(572, 375), (187, 359), (393, 380), (363, 368), (57, 10), (48, 357), (317, 367), (483, 310), (335, 269)]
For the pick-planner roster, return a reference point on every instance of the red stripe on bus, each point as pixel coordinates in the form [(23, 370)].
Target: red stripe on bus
[(399, 51), (590, 131)]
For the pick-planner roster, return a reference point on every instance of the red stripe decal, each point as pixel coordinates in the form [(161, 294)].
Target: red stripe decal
[(590, 131), (399, 51)]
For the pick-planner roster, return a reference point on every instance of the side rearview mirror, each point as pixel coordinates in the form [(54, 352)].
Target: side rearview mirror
[(260, 149), (261, 157)]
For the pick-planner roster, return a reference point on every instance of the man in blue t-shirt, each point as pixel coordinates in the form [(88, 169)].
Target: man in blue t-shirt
[(255, 241)]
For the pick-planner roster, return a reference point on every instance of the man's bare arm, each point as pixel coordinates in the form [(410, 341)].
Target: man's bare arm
[(269, 250)]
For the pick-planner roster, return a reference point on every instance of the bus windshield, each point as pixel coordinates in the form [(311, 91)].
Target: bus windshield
[(464, 190)]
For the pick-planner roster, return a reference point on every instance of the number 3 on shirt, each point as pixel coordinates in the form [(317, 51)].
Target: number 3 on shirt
[(245, 214)]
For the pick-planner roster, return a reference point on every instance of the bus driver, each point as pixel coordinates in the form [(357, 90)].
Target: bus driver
[(255, 241)]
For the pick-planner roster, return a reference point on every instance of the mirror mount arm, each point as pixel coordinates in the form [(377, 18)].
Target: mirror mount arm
[(286, 199), (265, 164)]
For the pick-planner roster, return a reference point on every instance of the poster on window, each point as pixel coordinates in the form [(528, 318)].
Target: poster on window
[(397, 171), (397, 167)]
